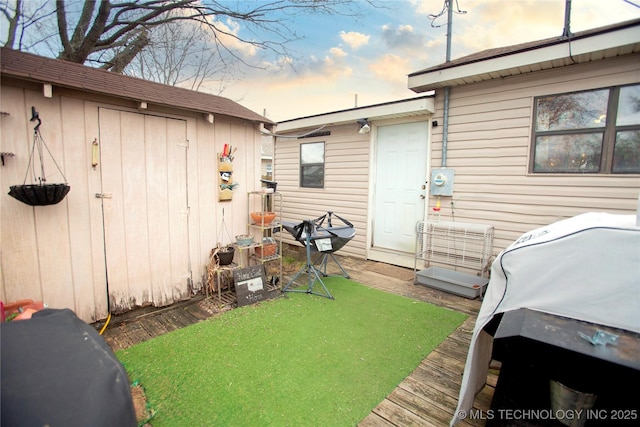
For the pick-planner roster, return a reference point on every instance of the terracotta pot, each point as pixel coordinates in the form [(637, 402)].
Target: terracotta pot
[(266, 250), (263, 218)]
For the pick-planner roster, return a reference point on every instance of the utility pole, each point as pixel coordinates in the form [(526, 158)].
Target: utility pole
[(449, 28), (566, 32)]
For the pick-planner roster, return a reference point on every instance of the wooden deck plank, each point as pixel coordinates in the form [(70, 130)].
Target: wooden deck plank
[(375, 420), (483, 398), (452, 347), (424, 400), (398, 416), (116, 339), (196, 311), (424, 408), (444, 381), (153, 326), (166, 320), (136, 332), (179, 318), (444, 361)]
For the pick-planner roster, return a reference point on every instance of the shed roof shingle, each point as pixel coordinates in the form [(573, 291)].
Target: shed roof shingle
[(71, 75)]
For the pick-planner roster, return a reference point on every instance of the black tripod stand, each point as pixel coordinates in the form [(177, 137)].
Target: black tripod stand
[(313, 274)]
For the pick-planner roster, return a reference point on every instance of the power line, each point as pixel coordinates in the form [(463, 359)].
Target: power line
[(445, 7)]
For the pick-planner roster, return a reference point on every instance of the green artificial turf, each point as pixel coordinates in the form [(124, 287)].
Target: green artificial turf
[(301, 360)]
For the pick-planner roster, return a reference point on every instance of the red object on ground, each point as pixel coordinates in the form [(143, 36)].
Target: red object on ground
[(20, 307)]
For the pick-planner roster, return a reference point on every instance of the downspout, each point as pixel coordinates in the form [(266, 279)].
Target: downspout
[(445, 126), (447, 89)]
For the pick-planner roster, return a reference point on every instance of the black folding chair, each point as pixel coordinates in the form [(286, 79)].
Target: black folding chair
[(319, 238)]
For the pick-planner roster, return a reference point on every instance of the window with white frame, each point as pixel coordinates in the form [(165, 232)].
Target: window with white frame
[(596, 131), (312, 165)]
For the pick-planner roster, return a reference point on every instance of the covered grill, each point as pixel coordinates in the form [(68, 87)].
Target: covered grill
[(578, 271)]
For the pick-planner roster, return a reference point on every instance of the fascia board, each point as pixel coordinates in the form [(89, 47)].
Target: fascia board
[(375, 112), (498, 65)]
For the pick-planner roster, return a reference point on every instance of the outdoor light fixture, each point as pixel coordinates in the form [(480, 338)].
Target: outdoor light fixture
[(364, 126), (95, 153)]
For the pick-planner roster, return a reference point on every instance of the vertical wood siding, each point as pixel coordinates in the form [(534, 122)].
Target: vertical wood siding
[(57, 253), (488, 147)]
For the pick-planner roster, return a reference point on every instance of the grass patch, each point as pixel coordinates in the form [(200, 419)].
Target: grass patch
[(300, 360)]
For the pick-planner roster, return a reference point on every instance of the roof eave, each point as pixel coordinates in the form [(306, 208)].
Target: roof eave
[(570, 51), (255, 120), (41, 70), (423, 105)]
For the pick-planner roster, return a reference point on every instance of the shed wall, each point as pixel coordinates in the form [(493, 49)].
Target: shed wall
[(56, 253)]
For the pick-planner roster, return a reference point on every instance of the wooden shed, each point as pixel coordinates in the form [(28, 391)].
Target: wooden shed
[(144, 209)]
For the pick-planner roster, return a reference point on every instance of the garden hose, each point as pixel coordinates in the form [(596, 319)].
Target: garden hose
[(105, 324)]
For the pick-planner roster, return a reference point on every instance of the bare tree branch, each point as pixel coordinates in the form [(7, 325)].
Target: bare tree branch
[(83, 23), (13, 23), (179, 55), (21, 18), (124, 58), (113, 33), (61, 15)]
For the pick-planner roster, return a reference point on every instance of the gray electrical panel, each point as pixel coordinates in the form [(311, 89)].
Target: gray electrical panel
[(441, 182)]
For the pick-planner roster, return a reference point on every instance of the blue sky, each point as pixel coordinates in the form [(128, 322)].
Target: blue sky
[(341, 59)]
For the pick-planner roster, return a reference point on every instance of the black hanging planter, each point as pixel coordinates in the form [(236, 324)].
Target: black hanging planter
[(41, 194), (225, 255)]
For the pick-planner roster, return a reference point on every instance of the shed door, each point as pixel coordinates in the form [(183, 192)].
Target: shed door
[(399, 196), (144, 197)]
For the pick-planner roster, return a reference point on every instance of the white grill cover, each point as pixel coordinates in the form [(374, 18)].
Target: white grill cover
[(585, 268)]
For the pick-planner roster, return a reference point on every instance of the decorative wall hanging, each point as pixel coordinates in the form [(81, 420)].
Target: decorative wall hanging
[(39, 193), (225, 172)]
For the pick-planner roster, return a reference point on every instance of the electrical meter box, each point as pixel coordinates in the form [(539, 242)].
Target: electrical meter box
[(441, 182)]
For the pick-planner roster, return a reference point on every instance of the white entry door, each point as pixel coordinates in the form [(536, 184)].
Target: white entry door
[(143, 164), (400, 191)]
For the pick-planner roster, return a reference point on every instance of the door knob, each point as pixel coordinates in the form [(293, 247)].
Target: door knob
[(422, 196)]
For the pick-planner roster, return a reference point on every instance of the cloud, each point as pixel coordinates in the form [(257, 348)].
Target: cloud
[(324, 71), (337, 52), (374, 60), (228, 34), (421, 7), (402, 37), (495, 23), (354, 40), (489, 24), (391, 68)]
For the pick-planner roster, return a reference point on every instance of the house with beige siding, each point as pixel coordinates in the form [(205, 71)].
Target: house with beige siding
[(375, 177), (141, 159), (541, 131), (532, 134)]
